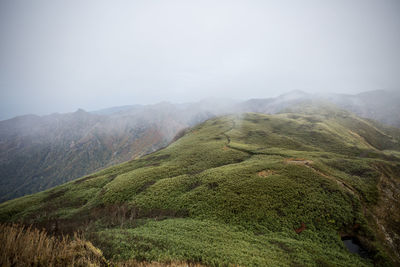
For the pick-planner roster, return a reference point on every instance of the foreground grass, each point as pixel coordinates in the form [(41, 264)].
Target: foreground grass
[(26, 246)]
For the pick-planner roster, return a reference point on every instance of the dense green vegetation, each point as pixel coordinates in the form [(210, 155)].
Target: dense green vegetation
[(234, 189)]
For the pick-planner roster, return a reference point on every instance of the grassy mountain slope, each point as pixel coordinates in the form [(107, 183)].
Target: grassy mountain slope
[(37, 153), (252, 190)]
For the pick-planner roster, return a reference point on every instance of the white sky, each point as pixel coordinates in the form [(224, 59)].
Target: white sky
[(60, 55)]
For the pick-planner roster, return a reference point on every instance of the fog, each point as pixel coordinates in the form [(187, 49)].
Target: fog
[(58, 56)]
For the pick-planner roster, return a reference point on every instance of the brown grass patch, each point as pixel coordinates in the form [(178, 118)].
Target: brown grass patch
[(301, 228), (134, 263), (299, 161), (265, 173), (27, 246)]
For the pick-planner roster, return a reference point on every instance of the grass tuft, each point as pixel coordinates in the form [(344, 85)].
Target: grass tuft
[(27, 246)]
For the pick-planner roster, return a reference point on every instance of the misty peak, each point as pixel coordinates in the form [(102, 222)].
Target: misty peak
[(80, 111), (293, 95), (81, 114)]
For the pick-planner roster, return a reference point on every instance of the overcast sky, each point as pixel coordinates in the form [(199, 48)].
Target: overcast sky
[(57, 56)]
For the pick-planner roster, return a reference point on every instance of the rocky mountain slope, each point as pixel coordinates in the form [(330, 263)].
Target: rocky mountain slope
[(37, 153), (248, 190)]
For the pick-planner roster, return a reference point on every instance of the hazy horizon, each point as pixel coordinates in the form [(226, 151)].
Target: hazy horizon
[(58, 56)]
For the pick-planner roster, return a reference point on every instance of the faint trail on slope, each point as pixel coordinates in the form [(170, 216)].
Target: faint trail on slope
[(304, 162), (251, 153), (308, 164)]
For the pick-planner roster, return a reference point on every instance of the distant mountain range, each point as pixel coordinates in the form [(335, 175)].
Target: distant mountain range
[(379, 105), (37, 153)]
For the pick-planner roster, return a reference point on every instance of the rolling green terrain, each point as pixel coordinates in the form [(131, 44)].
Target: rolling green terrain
[(37, 153), (248, 190)]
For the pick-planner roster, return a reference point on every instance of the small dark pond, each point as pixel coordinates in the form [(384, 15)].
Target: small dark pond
[(354, 246)]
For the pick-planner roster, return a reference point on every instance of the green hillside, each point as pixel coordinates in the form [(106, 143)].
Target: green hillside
[(249, 190)]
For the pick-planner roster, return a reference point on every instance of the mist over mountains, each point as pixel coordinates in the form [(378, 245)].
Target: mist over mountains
[(379, 105), (200, 133), (41, 152), (37, 153)]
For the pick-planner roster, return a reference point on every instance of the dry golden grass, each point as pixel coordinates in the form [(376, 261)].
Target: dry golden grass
[(265, 173), (27, 246), (134, 263)]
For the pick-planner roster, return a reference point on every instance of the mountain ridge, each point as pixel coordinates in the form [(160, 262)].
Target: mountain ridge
[(240, 185), (39, 152)]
